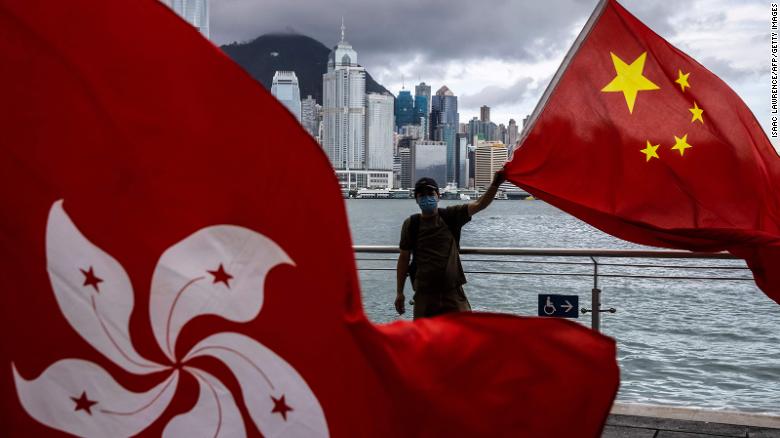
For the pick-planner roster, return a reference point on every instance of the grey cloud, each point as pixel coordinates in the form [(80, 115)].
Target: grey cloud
[(494, 96), (389, 32)]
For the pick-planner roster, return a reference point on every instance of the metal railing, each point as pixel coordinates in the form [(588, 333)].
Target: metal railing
[(563, 256)]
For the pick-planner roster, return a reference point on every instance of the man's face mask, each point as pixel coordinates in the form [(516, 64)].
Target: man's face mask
[(428, 204)]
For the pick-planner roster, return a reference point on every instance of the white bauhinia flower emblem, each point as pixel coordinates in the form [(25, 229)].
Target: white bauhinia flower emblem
[(218, 270)]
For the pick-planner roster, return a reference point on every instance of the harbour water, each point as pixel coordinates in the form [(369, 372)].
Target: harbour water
[(702, 343)]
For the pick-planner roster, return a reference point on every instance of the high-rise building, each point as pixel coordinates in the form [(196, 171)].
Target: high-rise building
[(195, 12), (502, 133), (309, 115), (489, 156), (473, 130), (484, 113), (424, 90), (512, 133), (405, 155), (285, 88), (429, 158), (462, 161), (404, 109), (343, 108), (445, 125), (421, 112), (379, 131)]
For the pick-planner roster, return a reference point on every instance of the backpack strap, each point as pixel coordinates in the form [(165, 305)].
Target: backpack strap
[(454, 229), (414, 230)]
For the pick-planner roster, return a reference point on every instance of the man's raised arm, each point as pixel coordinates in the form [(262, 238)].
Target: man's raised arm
[(487, 197)]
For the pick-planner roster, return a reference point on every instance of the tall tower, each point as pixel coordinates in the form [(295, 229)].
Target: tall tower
[(196, 12), (344, 108), (285, 88), (484, 114), (379, 131), (444, 126), (422, 90), (309, 115)]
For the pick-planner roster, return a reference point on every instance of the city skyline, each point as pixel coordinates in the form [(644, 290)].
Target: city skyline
[(509, 61)]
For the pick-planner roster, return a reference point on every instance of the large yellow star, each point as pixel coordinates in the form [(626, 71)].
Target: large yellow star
[(697, 112), (650, 151), (681, 144), (682, 79), (629, 79)]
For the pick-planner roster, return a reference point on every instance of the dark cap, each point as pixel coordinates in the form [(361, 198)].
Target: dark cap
[(425, 185)]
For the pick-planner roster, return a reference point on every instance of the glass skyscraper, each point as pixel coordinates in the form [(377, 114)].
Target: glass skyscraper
[(285, 88), (421, 112), (404, 110), (422, 89), (444, 126), (196, 12)]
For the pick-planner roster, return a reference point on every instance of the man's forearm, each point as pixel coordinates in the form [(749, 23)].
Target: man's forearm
[(400, 273), (487, 197)]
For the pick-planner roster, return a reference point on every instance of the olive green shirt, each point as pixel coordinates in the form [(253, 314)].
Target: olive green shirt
[(436, 253)]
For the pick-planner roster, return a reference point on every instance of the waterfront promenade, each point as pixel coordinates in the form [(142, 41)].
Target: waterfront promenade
[(642, 421)]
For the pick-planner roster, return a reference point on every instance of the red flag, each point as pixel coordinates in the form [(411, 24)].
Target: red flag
[(638, 139), (164, 273)]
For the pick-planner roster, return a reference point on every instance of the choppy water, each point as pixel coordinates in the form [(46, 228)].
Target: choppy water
[(703, 343)]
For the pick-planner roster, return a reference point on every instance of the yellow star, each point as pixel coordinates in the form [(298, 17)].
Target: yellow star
[(697, 112), (681, 144), (682, 79), (629, 79), (650, 151)]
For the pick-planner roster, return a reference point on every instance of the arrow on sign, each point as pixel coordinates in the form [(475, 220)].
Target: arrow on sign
[(567, 306)]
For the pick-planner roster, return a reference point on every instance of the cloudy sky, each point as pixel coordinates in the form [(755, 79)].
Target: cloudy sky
[(502, 53)]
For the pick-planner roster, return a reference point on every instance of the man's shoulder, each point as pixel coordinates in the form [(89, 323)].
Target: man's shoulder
[(456, 209)]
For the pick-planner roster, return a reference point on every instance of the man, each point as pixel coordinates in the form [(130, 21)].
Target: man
[(433, 238)]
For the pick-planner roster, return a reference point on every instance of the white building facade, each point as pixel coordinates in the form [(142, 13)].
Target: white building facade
[(489, 157), (344, 108), (196, 12), (379, 131)]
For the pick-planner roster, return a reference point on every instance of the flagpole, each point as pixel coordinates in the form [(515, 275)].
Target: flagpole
[(594, 16)]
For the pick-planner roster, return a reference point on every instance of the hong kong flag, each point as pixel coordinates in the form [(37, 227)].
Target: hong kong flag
[(165, 271), (638, 139)]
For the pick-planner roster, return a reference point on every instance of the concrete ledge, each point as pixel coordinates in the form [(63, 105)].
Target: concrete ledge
[(765, 420)]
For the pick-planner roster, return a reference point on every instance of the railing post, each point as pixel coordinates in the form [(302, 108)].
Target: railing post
[(595, 298)]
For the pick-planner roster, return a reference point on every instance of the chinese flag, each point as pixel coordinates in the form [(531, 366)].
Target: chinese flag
[(638, 139), (168, 271)]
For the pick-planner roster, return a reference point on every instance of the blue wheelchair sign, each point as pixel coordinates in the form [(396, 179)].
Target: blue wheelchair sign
[(561, 306)]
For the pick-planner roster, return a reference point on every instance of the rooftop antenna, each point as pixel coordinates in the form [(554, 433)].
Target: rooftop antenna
[(403, 83), (343, 28)]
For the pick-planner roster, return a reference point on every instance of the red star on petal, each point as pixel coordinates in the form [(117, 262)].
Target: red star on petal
[(83, 403), (90, 279), (220, 276), (281, 407)]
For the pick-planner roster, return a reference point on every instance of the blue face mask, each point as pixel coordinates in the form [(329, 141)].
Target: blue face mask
[(428, 204)]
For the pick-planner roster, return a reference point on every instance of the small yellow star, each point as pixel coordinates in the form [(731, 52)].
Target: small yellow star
[(681, 144), (650, 151), (682, 79), (697, 112), (629, 79)]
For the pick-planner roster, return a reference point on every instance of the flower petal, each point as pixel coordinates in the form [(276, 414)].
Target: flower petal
[(214, 415), (81, 398), (218, 270), (93, 292), (276, 396)]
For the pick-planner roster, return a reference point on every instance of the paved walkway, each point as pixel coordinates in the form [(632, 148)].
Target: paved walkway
[(632, 426)]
